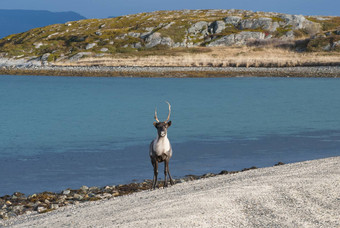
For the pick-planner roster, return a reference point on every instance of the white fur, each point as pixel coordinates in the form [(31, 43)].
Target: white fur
[(162, 146)]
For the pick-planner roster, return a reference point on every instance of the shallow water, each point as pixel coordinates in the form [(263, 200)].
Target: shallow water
[(59, 132)]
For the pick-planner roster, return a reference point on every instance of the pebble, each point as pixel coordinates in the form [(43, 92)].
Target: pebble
[(41, 209), (66, 192), (84, 188), (54, 206)]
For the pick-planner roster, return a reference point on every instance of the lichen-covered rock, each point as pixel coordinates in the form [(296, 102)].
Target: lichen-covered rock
[(243, 37), (232, 20), (156, 39), (200, 27), (217, 27), (237, 39), (300, 22), (263, 23)]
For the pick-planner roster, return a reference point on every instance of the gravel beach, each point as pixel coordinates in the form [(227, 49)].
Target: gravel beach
[(305, 194), (22, 67)]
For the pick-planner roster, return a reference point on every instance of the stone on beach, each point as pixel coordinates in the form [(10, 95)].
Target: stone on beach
[(66, 192)]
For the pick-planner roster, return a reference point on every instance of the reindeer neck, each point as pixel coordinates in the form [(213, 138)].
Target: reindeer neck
[(165, 137)]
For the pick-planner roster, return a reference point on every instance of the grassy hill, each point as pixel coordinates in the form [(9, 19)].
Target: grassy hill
[(171, 32)]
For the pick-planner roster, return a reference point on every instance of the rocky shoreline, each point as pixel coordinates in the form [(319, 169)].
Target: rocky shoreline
[(20, 204), (37, 67), (173, 72)]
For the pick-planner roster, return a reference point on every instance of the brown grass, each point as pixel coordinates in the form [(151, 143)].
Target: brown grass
[(217, 57)]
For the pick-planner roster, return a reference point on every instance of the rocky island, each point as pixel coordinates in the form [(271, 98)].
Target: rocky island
[(226, 39)]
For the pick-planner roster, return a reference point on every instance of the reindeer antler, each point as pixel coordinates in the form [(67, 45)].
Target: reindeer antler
[(156, 118), (156, 115), (169, 111)]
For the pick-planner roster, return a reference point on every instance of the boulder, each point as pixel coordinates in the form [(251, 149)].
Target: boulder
[(243, 37), (232, 20), (156, 39), (216, 27), (224, 41), (263, 23), (237, 39), (300, 22), (89, 46), (200, 27)]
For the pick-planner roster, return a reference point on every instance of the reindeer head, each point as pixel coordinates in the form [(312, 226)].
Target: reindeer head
[(162, 127)]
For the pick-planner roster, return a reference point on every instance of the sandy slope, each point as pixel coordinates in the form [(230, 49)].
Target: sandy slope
[(303, 194)]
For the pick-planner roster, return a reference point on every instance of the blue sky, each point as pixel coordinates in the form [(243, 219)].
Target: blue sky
[(105, 8)]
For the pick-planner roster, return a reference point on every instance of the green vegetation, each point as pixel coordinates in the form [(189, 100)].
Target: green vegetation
[(277, 19), (323, 43), (329, 23), (122, 35), (280, 31)]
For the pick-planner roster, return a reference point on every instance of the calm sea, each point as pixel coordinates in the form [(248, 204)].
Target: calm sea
[(60, 132)]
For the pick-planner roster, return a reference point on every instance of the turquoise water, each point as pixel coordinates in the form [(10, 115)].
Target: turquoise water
[(58, 132)]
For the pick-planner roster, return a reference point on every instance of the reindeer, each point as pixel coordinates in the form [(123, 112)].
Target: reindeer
[(160, 149)]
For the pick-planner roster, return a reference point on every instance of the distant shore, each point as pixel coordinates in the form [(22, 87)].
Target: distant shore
[(174, 72), (298, 194)]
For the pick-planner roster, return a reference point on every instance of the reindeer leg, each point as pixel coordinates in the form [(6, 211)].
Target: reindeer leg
[(171, 181), (165, 173), (155, 173)]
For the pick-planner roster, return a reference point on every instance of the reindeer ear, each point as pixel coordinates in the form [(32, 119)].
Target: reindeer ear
[(155, 124), (169, 123)]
